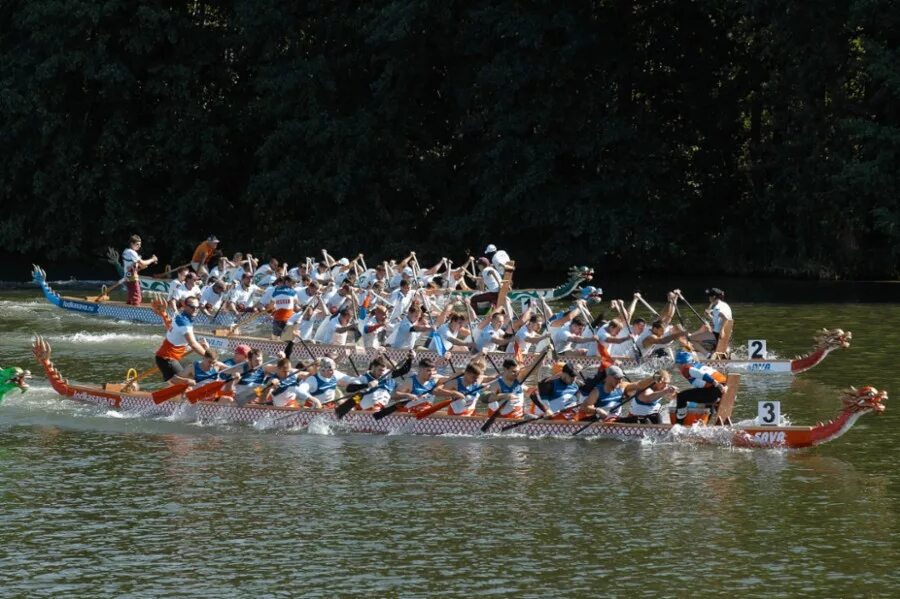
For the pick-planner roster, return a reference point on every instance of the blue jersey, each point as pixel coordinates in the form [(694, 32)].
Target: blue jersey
[(324, 385), (388, 384), (420, 389), (252, 377), (201, 375)]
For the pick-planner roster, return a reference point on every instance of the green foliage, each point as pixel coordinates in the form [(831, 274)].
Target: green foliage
[(740, 137)]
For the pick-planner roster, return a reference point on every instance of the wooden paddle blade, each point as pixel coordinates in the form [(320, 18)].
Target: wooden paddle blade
[(167, 393), (388, 410), (494, 416), (344, 408), (435, 408), (205, 391)]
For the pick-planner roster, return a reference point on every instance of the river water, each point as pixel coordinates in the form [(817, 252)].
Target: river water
[(96, 504)]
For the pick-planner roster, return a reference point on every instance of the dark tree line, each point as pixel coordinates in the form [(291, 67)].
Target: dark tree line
[(732, 136)]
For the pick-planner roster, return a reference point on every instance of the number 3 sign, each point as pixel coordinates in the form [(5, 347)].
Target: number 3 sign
[(768, 413)]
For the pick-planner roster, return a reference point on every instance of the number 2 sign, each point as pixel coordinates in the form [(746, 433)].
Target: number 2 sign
[(756, 349)]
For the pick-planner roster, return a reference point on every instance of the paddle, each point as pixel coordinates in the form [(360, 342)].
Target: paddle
[(496, 414), (703, 320), (344, 407), (594, 418), (637, 351), (388, 410), (202, 391), (539, 403), (443, 404)]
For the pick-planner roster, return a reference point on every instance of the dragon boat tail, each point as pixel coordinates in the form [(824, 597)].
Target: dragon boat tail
[(855, 403)]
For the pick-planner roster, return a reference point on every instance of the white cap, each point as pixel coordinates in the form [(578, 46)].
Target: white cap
[(490, 249), (408, 271), (344, 262)]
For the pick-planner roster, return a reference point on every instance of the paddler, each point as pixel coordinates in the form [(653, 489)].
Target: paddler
[(491, 281), (319, 390), (283, 305), (559, 393), (609, 398), (179, 341), (707, 384), (508, 388), (646, 405), (466, 390), (377, 385), (207, 368), (204, 254), (722, 320), (281, 389), (422, 388), (132, 264)]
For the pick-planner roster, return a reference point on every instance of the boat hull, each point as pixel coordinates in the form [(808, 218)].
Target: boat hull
[(270, 417)]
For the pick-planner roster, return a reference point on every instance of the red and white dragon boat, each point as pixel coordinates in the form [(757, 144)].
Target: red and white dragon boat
[(855, 404), (826, 341)]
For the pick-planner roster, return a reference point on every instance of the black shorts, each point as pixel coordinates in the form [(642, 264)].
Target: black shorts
[(168, 367), (278, 327)]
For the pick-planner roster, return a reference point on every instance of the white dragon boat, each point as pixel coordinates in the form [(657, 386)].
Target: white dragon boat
[(855, 404), (826, 342), (143, 314), (575, 277)]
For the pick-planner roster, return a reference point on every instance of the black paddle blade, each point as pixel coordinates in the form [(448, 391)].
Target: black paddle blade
[(344, 408), (494, 416), (591, 421), (509, 427), (388, 410), (289, 349)]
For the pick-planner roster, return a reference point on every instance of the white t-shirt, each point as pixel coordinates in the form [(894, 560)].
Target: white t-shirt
[(498, 260), (175, 287), (129, 259), (266, 298), (183, 293), (720, 313), (405, 337), (209, 296), (330, 334), (244, 297), (491, 279), (487, 339)]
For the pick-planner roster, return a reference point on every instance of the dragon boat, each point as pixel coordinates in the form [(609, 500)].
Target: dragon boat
[(143, 314), (855, 403), (576, 275), (826, 341)]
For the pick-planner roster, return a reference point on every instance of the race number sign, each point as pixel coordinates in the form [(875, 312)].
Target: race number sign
[(756, 349), (768, 413)]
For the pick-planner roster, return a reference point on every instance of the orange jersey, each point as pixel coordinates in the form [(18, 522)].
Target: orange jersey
[(203, 253)]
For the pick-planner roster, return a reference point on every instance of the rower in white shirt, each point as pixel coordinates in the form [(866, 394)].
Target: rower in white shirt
[(189, 289), (408, 330), (499, 259), (490, 332)]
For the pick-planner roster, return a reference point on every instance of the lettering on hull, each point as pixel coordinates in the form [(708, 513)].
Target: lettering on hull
[(769, 438), (90, 308)]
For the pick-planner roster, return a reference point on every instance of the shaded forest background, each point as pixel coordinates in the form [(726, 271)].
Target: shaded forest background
[(733, 136)]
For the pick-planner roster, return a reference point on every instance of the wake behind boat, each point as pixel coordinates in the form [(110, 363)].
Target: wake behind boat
[(855, 404)]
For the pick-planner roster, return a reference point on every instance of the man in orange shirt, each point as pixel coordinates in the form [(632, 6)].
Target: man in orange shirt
[(203, 255)]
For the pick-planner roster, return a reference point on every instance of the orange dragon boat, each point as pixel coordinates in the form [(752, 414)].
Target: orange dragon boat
[(855, 403)]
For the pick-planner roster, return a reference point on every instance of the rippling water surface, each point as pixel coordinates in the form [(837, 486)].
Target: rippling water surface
[(96, 503)]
